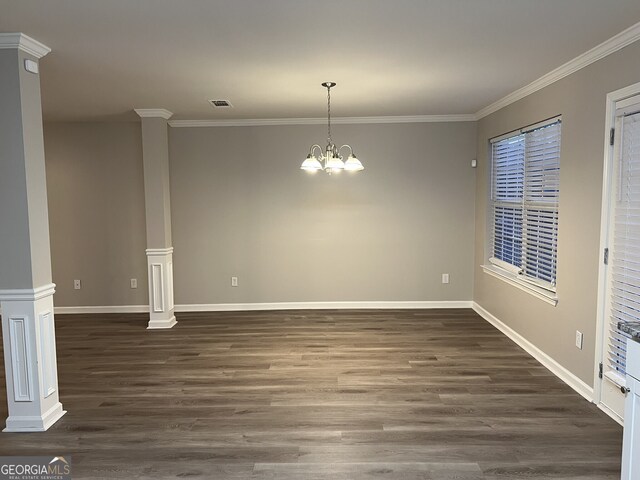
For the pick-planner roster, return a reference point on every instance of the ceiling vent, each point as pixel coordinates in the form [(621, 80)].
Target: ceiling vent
[(221, 103)]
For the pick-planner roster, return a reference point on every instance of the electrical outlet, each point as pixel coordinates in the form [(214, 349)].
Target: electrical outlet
[(134, 283), (579, 339), (77, 285), (234, 281), (445, 278)]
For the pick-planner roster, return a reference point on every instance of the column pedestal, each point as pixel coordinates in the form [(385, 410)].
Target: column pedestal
[(161, 308), (28, 335)]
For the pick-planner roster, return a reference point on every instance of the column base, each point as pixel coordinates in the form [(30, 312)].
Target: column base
[(29, 344), (35, 423), (161, 308), (158, 324)]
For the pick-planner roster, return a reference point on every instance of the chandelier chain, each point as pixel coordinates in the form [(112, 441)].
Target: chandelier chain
[(329, 114)]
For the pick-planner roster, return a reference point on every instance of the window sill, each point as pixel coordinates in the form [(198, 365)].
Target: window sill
[(512, 279)]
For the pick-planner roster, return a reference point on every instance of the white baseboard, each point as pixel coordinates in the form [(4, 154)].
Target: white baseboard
[(103, 309), (235, 307), (558, 370), (232, 307)]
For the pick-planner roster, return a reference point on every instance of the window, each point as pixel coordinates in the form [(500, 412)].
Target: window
[(525, 183)]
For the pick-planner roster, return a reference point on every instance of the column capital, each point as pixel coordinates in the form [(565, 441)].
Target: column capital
[(153, 113), (159, 251), (23, 42)]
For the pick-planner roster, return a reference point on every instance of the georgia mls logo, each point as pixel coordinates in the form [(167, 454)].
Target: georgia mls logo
[(60, 466), (35, 468)]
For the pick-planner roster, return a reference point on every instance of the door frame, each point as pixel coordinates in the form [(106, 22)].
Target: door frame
[(609, 158)]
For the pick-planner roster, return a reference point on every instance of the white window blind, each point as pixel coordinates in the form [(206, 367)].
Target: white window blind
[(625, 254), (508, 190), (524, 203)]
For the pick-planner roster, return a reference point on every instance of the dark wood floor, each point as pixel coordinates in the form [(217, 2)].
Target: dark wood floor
[(346, 395)]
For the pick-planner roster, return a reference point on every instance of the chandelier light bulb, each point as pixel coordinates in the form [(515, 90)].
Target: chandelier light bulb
[(311, 164), (335, 163), (353, 164)]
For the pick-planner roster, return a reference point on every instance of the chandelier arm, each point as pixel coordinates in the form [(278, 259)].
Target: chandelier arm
[(313, 147), (346, 146)]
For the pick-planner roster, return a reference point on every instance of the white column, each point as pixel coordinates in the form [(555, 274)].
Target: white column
[(155, 156), (26, 290)]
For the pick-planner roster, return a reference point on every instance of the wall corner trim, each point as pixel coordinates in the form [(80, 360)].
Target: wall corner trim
[(558, 370), (612, 45), (23, 42)]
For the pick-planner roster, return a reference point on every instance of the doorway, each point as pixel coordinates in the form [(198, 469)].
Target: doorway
[(619, 290)]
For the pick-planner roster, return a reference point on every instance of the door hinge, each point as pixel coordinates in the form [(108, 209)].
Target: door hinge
[(612, 136), (600, 370), (606, 256)]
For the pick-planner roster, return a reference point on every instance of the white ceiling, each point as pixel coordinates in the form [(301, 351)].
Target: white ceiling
[(268, 57)]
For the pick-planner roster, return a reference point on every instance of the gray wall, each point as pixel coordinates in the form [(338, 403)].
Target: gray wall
[(96, 212), (581, 99), (241, 206)]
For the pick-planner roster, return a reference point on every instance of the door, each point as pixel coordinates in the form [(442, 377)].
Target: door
[(622, 255)]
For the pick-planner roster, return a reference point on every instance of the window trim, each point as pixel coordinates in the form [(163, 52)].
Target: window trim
[(503, 270), (517, 281), (527, 129)]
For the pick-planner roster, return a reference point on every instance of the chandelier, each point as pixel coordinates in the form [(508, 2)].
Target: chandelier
[(331, 160)]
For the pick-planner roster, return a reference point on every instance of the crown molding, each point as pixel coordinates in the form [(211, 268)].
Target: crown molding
[(153, 113), (23, 42), (256, 122), (612, 45)]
